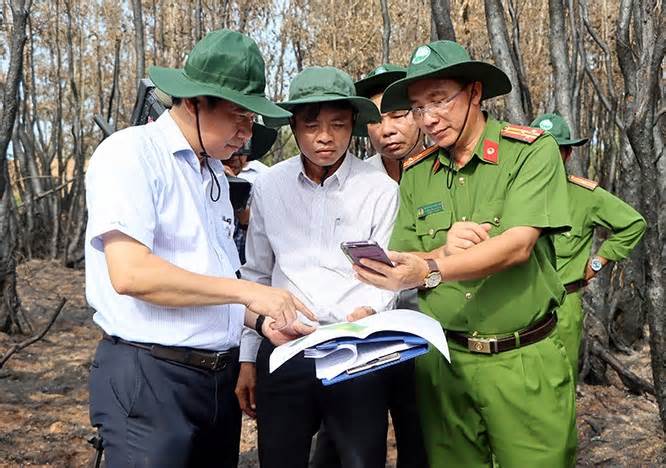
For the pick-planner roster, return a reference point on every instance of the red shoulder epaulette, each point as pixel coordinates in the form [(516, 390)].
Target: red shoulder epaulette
[(413, 160), (521, 133), (583, 182)]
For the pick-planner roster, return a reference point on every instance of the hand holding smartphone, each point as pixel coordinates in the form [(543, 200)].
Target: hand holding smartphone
[(357, 250)]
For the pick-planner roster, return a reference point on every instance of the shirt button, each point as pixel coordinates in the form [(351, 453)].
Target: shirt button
[(461, 180), (464, 218), (431, 232), (496, 220), (468, 296), (568, 234)]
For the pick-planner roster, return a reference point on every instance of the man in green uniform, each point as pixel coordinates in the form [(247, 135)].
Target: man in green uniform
[(590, 206), (473, 231)]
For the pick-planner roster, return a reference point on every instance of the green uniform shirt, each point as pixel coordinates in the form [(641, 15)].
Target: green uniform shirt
[(589, 209), (507, 183)]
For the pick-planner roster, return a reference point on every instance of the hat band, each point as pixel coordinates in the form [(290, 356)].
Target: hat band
[(319, 92), (235, 83)]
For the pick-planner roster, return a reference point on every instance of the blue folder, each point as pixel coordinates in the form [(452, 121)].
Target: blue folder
[(420, 346)]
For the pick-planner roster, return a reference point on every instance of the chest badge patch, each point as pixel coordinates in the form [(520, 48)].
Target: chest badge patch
[(430, 208)]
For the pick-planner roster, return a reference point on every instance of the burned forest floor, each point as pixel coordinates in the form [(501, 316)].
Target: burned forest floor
[(43, 390)]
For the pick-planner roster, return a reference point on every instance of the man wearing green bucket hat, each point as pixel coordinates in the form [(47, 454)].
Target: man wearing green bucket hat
[(302, 210), (161, 267), (395, 138), (476, 211), (590, 207)]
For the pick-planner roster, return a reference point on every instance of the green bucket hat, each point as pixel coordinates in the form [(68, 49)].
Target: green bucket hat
[(445, 59), (379, 78), (556, 125), (327, 84), (224, 64)]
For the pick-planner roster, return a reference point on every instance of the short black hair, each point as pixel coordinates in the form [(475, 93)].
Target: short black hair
[(375, 90), (311, 111), (211, 101)]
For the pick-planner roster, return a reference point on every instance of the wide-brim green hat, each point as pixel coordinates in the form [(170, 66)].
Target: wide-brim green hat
[(319, 85), (445, 59), (262, 141), (379, 79), (224, 64), (555, 124)]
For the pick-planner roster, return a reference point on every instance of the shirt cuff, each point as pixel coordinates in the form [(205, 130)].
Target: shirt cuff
[(249, 346)]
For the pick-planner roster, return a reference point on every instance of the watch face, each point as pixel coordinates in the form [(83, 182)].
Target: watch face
[(433, 279), (596, 265)]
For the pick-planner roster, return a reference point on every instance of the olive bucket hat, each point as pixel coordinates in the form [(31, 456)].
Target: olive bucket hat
[(379, 78), (327, 84), (556, 125), (225, 64), (445, 59)]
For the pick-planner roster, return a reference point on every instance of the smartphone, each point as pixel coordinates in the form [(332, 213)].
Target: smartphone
[(357, 250)]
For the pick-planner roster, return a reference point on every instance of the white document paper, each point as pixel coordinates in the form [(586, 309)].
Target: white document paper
[(342, 359), (398, 320)]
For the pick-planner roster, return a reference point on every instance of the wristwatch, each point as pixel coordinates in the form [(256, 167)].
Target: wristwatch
[(259, 324), (434, 277), (595, 264)]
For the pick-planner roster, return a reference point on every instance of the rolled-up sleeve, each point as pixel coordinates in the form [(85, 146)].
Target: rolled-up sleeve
[(119, 195)]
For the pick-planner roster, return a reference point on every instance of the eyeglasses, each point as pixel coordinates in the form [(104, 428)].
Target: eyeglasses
[(438, 107)]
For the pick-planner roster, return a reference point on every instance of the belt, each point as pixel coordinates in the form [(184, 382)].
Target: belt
[(575, 286), (208, 360), (534, 333)]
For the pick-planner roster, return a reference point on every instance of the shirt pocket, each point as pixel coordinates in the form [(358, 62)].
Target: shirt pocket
[(566, 243), (432, 229), (491, 213)]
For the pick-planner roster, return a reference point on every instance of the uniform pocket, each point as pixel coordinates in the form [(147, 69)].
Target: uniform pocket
[(568, 243), (491, 213), (432, 229)]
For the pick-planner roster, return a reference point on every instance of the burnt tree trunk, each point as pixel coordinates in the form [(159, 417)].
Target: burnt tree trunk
[(641, 44), (563, 82), (442, 26), (139, 42), (504, 59), (9, 303), (386, 31)]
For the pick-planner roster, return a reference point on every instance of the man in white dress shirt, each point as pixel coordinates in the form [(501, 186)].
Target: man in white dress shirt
[(395, 138), (161, 267), (302, 210)]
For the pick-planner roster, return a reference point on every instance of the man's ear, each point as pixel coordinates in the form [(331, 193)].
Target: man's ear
[(191, 105), (477, 92)]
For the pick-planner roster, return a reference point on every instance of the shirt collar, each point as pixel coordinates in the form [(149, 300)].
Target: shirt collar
[(177, 143), (339, 176), (172, 134), (485, 149)]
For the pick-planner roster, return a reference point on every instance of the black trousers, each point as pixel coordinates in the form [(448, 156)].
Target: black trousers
[(400, 386), (155, 413), (292, 404)]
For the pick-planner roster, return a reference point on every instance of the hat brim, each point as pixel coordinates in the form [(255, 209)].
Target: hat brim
[(263, 139), (572, 142), (372, 83), (367, 111), (495, 82), (174, 82)]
